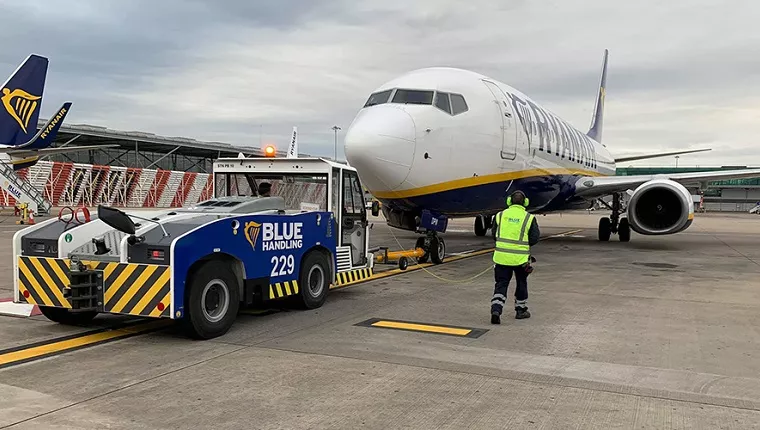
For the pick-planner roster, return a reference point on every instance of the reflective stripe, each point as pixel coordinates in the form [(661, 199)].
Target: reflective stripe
[(496, 302), (499, 296), (514, 251), (525, 223), (513, 242)]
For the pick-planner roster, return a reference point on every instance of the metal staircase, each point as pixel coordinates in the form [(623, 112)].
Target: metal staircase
[(22, 190)]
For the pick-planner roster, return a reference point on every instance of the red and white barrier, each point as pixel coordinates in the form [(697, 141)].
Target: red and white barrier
[(74, 184)]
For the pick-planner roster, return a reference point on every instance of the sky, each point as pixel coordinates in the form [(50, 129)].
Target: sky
[(246, 71)]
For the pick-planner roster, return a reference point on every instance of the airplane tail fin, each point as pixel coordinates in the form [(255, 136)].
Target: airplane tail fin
[(21, 100), (595, 131), (293, 148)]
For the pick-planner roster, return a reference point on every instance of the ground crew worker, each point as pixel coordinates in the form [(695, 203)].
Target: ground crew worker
[(516, 230), (265, 188)]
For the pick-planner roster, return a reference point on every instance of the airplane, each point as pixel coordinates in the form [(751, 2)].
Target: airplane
[(21, 144), (441, 143)]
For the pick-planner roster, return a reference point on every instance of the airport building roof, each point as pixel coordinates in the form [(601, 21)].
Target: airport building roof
[(729, 183), (85, 134)]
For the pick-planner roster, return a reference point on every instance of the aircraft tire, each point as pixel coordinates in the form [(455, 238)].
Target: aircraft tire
[(480, 226), (624, 230), (421, 244), (605, 229), (437, 249)]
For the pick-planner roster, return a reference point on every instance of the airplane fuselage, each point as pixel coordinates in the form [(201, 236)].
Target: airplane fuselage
[(414, 152)]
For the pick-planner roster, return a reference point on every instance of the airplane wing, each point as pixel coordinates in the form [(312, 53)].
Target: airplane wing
[(598, 186), (23, 153), (619, 160)]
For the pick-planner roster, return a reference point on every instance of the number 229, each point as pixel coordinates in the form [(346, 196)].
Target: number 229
[(284, 264)]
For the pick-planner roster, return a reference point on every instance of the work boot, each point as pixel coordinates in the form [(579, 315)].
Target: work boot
[(522, 313), (495, 318)]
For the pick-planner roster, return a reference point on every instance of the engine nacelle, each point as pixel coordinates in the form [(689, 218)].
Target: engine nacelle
[(660, 206)]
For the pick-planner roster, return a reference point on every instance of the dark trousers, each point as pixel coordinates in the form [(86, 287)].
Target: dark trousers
[(502, 275)]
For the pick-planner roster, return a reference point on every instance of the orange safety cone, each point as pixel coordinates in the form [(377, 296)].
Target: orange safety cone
[(31, 218)]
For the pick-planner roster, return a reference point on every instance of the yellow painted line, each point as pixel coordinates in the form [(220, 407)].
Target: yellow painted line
[(423, 327), (54, 347), (414, 266)]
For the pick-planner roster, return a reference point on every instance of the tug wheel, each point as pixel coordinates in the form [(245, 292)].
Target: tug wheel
[(66, 317), (313, 280), (212, 304)]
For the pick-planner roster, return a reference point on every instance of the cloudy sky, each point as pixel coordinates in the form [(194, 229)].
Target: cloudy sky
[(684, 76)]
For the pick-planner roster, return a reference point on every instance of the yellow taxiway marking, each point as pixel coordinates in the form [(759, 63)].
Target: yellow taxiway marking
[(423, 327), (60, 345)]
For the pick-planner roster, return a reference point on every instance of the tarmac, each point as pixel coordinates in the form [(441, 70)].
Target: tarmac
[(660, 332)]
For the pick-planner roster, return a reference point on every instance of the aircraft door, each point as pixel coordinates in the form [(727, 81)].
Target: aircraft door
[(353, 218), (508, 134)]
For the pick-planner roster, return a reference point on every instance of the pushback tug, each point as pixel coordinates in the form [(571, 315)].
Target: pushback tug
[(199, 264)]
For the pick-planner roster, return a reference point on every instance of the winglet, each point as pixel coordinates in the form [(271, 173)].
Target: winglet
[(595, 131), (46, 135), (293, 148)]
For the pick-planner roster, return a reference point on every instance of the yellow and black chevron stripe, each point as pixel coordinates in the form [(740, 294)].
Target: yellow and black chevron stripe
[(41, 281), (132, 289), (137, 289), (283, 289), (352, 276)]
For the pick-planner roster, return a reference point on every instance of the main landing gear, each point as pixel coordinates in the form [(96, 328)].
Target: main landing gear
[(482, 224), (434, 247), (614, 224)]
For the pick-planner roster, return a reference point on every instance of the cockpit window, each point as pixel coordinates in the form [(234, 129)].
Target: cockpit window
[(458, 105), (378, 98), (442, 102), (415, 97)]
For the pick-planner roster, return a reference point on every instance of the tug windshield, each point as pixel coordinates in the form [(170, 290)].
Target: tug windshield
[(301, 191)]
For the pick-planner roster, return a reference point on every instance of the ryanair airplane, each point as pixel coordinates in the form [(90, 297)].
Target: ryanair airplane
[(21, 144), (440, 143)]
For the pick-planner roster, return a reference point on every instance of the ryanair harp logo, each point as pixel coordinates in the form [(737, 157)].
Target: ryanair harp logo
[(20, 105), (252, 229)]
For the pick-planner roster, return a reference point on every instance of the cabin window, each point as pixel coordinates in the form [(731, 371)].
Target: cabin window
[(416, 97), (378, 98), (442, 102), (458, 105)]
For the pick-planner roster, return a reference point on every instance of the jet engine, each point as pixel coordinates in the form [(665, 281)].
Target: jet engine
[(660, 206)]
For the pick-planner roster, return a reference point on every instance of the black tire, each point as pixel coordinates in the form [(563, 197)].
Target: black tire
[(480, 226), (212, 303), (624, 230), (605, 229), (64, 316), (437, 249), (403, 263), (421, 244), (313, 280)]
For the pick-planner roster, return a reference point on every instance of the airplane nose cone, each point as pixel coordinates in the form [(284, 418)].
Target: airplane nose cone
[(380, 144)]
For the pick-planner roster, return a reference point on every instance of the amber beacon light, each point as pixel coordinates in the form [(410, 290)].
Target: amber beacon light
[(269, 151)]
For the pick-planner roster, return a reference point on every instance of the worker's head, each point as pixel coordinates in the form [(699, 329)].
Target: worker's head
[(517, 198), (264, 189)]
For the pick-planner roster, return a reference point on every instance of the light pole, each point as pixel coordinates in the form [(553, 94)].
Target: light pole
[(335, 128), (677, 157)]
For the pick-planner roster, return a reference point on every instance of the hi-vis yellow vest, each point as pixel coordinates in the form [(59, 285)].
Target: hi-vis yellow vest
[(512, 248)]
